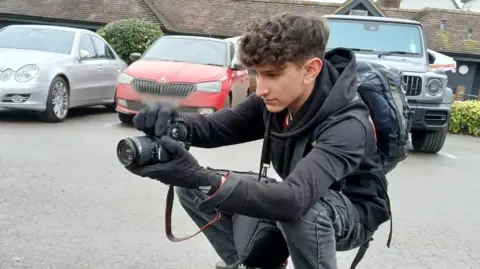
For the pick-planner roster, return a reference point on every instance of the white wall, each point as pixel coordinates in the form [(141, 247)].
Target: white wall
[(473, 5), (419, 4)]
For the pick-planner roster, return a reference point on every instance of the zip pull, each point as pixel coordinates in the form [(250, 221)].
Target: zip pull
[(265, 169)]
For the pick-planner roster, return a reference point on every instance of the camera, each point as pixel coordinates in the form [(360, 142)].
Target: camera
[(139, 151)]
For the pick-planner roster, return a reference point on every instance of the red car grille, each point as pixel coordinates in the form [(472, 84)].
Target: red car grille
[(163, 89)]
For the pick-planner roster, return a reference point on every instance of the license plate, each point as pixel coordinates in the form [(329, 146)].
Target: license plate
[(151, 99)]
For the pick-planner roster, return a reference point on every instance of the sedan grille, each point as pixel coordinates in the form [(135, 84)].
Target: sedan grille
[(413, 85), (164, 89)]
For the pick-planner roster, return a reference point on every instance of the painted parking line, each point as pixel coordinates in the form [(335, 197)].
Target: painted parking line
[(447, 155)]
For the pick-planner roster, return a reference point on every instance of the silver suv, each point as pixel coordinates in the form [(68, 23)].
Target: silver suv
[(401, 44)]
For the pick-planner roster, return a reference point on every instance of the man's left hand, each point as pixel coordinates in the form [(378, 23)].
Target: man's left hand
[(181, 170)]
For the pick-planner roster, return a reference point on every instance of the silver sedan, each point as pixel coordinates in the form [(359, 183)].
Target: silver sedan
[(50, 69)]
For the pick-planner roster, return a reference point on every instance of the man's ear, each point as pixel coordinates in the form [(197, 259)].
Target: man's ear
[(312, 67)]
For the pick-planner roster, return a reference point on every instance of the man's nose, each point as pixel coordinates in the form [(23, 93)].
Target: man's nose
[(262, 89)]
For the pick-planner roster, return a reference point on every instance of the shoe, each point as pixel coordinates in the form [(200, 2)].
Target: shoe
[(223, 265)]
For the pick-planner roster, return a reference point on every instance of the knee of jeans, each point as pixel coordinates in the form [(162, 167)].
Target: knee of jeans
[(306, 226)]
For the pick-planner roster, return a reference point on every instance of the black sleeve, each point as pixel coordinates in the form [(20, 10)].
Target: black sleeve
[(338, 152), (243, 123)]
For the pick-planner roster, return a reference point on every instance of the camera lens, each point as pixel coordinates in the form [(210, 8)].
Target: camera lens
[(127, 152)]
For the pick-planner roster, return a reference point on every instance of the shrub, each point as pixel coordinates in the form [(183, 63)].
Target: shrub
[(130, 35), (465, 118)]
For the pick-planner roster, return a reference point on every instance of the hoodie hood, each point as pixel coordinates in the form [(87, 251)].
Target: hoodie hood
[(335, 88)]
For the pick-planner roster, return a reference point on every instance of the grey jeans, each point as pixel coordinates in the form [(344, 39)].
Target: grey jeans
[(331, 225)]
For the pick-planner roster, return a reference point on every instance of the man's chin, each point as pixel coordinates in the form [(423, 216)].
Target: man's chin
[(274, 108)]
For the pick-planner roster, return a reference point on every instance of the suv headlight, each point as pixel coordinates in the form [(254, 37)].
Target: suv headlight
[(124, 78), (26, 73), (212, 86), (434, 86)]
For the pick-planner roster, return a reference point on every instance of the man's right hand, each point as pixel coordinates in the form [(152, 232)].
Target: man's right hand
[(153, 119)]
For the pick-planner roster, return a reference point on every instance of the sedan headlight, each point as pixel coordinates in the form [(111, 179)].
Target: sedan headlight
[(434, 86), (124, 78), (212, 86), (7, 74), (26, 73)]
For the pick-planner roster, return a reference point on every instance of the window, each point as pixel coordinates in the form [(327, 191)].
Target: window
[(103, 50), (189, 49), (358, 12), (87, 45), (376, 37), (233, 53), (110, 54), (36, 38)]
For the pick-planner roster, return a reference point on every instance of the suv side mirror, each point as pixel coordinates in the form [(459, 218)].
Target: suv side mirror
[(431, 58), (135, 56)]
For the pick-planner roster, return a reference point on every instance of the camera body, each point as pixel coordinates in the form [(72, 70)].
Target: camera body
[(144, 150)]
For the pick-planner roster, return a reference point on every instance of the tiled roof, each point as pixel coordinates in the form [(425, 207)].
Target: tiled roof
[(228, 17), (454, 37), (98, 11)]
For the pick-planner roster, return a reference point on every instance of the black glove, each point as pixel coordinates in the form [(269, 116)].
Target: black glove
[(153, 119), (182, 170)]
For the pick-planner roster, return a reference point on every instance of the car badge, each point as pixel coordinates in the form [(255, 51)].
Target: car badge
[(163, 79)]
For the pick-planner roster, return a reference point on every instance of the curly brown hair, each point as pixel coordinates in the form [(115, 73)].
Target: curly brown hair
[(285, 37)]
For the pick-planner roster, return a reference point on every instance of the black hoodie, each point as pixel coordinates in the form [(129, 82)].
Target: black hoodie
[(345, 149)]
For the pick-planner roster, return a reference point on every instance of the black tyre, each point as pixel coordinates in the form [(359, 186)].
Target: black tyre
[(429, 141), (113, 106), (125, 118)]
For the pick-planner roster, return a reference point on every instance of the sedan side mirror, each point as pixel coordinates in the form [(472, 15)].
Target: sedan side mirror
[(84, 54), (236, 66), (135, 56)]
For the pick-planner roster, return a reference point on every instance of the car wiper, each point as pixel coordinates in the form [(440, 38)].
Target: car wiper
[(395, 52), (356, 49), (212, 64)]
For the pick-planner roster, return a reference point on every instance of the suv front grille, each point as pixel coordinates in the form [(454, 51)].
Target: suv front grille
[(163, 89), (413, 85)]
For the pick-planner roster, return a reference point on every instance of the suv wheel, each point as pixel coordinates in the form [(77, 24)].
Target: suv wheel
[(429, 141)]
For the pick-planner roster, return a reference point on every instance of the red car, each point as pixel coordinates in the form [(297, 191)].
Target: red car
[(200, 74)]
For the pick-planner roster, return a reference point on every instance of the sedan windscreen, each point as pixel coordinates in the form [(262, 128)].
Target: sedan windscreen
[(191, 50), (38, 39)]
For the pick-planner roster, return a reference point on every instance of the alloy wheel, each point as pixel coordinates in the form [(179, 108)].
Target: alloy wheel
[(60, 99)]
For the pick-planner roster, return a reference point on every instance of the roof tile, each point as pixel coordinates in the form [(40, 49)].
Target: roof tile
[(229, 17), (100, 11)]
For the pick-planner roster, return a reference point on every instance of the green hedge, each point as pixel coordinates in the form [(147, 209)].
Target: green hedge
[(131, 35), (465, 118)]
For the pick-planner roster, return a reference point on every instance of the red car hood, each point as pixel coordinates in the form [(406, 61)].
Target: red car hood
[(175, 71)]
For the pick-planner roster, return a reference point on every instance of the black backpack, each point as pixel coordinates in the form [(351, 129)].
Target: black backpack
[(382, 89)]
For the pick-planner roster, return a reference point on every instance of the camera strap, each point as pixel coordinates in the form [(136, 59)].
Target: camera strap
[(264, 165), (168, 219)]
